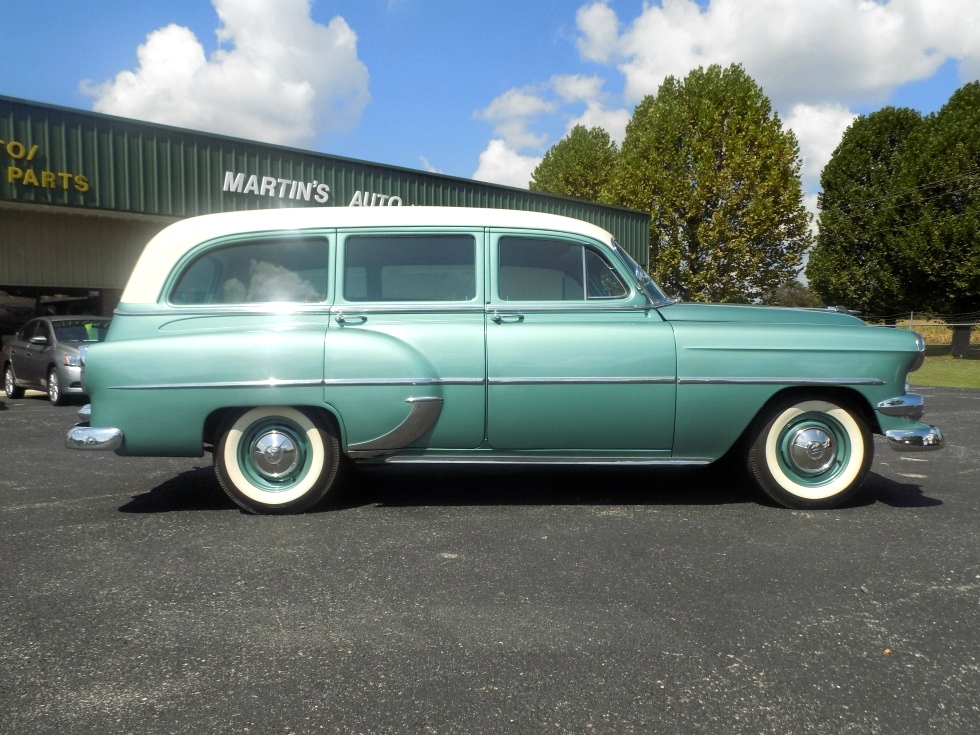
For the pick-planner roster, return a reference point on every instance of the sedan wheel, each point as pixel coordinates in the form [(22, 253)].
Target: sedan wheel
[(10, 384), (55, 395), (276, 459), (810, 454)]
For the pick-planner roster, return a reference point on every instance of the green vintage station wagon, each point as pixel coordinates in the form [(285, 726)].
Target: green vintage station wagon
[(291, 343)]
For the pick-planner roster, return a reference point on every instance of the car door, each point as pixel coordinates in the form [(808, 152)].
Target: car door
[(577, 359), (34, 361), (404, 362)]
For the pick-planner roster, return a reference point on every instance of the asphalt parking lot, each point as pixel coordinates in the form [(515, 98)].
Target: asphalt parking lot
[(136, 598)]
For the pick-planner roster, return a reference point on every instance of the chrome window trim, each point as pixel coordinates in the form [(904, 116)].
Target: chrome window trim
[(529, 307), (780, 381), (267, 309)]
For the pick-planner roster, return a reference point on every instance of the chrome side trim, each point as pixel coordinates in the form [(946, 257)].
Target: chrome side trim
[(908, 405), (573, 461), (664, 380), (780, 381), (402, 381), (926, 439), (94, 439), (425, 411), (267, 383)]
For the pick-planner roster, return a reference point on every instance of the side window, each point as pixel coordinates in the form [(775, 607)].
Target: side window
[(288, 269), (545, 269), (410, 268)]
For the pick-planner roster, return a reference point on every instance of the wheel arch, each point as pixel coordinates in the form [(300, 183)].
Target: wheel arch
[(217, 418), (849, 396)]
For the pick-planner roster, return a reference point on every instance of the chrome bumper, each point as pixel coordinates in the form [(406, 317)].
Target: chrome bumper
[(96, 439), (926, 439)]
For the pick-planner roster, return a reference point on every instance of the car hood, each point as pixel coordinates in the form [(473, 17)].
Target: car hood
[(747, 314)]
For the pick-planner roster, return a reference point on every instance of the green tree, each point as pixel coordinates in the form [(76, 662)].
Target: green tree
[(578, 165), (794, 293), (938, 212), (711, 162), (858, 260)]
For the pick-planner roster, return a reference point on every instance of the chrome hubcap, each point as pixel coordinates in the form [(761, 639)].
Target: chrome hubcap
[(812, 450), (274, 455)]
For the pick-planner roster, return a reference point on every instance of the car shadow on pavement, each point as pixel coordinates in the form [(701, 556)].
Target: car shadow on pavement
[(195, 489), (880, 489), (386, 486)]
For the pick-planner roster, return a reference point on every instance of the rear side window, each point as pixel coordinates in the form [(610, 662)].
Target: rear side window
[(545, 269), (289, 269), (410, 268)]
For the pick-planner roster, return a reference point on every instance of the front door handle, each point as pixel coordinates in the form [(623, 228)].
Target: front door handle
[(343, 318), (510, 317)]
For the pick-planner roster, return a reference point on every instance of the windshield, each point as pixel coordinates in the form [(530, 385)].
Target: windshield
[(643, 280), (81, 330)]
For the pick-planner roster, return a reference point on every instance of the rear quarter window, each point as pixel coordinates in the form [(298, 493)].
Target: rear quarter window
[(257, 271)]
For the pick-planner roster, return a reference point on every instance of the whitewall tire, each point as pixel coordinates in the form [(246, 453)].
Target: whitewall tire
[(276, 459), (812, 452)]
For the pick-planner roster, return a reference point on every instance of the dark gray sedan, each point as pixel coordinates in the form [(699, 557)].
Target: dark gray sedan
[(44, 355)]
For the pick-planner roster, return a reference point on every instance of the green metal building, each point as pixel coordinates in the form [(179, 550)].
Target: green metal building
[(81, 193)]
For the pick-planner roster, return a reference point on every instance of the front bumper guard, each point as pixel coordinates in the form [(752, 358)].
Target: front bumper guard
[(925, 439)]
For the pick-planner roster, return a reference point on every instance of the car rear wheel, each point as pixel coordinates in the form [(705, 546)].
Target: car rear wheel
[(276, 459), (10, 384), (811, 453), (55, 395)]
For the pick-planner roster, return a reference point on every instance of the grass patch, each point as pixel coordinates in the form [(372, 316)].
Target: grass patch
[(947, 372)]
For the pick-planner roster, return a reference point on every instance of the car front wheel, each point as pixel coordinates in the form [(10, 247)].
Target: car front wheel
[(810, 454), (276, 459), (10, 384), (55, 395)]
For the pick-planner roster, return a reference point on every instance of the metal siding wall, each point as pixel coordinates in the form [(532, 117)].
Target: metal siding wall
[(63, 250), (152, 169)]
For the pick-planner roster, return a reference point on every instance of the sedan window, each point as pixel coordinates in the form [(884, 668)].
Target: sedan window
[(544, 269), (410, 268)]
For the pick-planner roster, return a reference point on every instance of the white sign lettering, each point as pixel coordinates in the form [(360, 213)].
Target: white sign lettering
[(269, 186)]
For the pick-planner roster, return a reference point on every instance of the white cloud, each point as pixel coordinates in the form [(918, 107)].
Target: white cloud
[(283, 78), (815, 59), (501, 164), (612, 121), (799, 51), (819, 129), (600, 31), (512, 112), (577, 87), (428, 166)]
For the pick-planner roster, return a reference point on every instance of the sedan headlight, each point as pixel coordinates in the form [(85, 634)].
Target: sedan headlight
[(72, 360)]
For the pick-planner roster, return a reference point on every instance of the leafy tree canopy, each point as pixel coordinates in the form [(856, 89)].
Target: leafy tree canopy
[(578, 165), (857, 261), (711, 162), (938, 213)]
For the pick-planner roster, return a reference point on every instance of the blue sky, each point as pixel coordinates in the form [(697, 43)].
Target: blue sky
[(472, 88)]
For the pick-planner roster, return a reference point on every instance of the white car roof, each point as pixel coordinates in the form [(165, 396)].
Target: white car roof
[(167, 247)]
